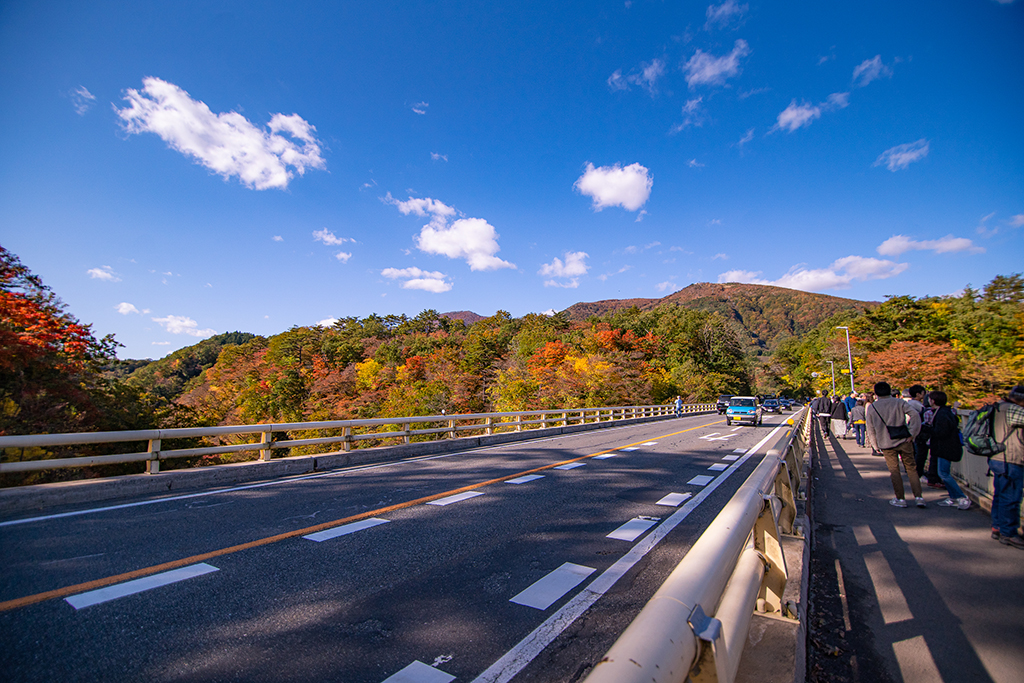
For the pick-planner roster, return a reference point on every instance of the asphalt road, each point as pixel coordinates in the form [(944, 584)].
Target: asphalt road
[(546, 552)]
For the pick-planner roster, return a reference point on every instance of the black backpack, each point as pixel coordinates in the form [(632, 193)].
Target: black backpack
[(979, 432)]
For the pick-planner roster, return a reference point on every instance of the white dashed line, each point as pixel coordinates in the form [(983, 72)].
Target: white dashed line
[(456, 498), (731, 457), (631, 448), (673, 499), (718, 467), (735, 428), (605, 456), (741, 451), (138, 585), (649, 443), (418, 672), (701, 480), (633, 529), (345, 529), (546, 591), (525, 478), (571, 466)]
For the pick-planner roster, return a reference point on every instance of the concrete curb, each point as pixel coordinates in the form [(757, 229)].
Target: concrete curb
[(39, 497)]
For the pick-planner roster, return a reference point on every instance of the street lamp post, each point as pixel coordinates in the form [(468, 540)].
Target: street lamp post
[(833, 376), (849, 354)]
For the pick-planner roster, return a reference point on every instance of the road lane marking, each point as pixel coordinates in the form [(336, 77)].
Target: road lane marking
[(570, 466), (546, 591), (673, 499), (701, 480), (631, 448), (730, 457), (345, 529), (267, 540), (741, 451), (526, 650), (418, 672), (718, 467), (137, 586), (458, 497), (633, 529), (605, 456), (649, 443), (525, 478), (735, 428)]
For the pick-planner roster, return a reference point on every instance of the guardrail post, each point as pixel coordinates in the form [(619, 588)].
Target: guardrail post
[(153, 464), (565, 418), (766, 542), (519, 423), (346, 433), (406, 436), (451, 429), (490, 426), (266, 442)]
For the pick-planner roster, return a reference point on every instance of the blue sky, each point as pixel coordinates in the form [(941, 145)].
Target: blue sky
[(174, 170)]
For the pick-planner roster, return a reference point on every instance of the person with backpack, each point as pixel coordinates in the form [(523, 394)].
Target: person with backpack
[(945, 446), (893, 425), (822, 409), (1008, 468)]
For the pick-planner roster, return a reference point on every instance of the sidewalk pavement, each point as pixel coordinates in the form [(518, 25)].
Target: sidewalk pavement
[(906, 594)]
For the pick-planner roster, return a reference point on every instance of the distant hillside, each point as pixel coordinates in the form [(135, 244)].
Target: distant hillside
[(765, 313), (170, 375), (468, 317)]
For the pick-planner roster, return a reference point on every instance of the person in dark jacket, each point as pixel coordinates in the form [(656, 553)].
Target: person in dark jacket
[(822, 409), (945, 446), (838, 416)]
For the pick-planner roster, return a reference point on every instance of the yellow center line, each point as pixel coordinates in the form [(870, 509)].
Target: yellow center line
[(202, 557)]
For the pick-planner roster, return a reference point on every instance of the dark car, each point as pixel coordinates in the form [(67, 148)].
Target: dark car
[(723, 403), (772, 405)]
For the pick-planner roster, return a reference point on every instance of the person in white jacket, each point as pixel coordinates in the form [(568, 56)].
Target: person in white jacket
[(893, 425)]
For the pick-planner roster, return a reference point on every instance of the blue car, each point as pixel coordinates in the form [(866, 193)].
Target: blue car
[(743, 410)]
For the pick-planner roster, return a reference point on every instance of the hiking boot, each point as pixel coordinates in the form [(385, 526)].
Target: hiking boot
[(963, 504), (920, 502), (1014, 541), (898, 502), (948, 503)]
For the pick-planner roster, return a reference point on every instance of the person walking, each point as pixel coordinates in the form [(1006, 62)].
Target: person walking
[(856, 420), (945, 446), (678, 403), (917, 401), (822, 409), (850, 402), (838, 415), (893, 425), (1008, 469)]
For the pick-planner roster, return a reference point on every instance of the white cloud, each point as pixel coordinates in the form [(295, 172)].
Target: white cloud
[(840, 275), (898, 244), (720, 257), (693, 163), (628, 187), (82, 100), (438, 157), (569, 270), (721, 15), (1017, 221), (419, 279), (473, 239), (420, 107), (124, 308), (693, 115), (327, 322), (706, 69), (161, 343), (277, 238), (899, 157), (103, 273), (646, 77), (226, 143), (667, 287), (343, 256), (797, 116), (179, 324), (328, 238), (870, 70), (837, 100), (746, 138)]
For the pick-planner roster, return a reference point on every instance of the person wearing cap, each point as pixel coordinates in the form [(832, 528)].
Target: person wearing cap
[(1008, 469)]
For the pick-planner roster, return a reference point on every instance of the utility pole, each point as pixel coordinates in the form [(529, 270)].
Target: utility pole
[(849, 354)]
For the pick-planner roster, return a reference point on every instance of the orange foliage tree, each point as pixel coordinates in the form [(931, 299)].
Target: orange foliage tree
[(932, 364)]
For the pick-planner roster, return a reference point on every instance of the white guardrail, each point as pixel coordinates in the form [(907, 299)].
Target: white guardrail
[(348, 432), (734, 565)]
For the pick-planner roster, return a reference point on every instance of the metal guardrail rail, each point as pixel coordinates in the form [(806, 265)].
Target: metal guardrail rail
[(736, 564), (397, 428)]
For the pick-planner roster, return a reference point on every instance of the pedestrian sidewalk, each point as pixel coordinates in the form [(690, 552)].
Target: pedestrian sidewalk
[(906, 594)]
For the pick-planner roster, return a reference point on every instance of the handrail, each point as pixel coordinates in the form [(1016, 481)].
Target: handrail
[(488, 423), (734, 565)]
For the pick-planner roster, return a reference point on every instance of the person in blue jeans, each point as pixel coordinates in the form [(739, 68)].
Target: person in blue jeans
[(1008, 469), (945, 445), (857, 420)]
